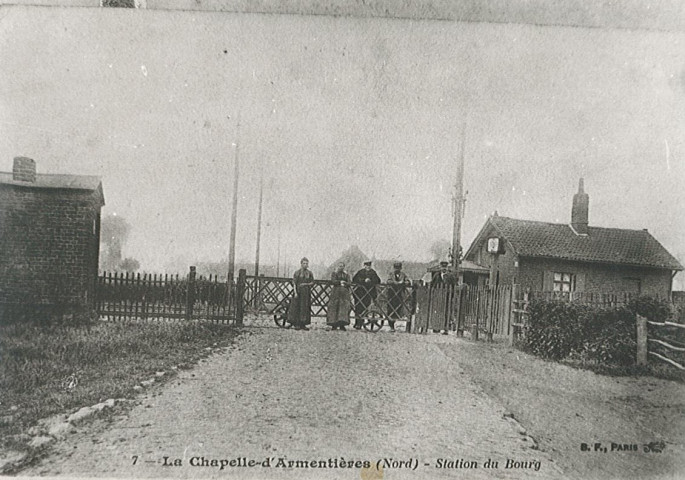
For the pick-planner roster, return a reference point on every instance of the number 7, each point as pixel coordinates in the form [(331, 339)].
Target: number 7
[(135, 459)]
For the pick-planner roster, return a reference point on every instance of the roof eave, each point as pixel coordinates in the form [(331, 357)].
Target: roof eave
[(604, 262)]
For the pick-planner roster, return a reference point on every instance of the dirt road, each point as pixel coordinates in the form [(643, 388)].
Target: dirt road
[(323, 404)]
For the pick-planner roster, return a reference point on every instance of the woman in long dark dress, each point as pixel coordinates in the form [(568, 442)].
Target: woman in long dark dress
[(299, 313), (340, 302)]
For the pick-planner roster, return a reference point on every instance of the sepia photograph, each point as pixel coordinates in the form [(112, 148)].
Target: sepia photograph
[(369, 239)]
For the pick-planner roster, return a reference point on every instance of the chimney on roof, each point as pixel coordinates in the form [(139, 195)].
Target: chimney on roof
[(24, 170), (579, 212)]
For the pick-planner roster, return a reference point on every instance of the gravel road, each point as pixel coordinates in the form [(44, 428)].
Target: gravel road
[(322, 404)]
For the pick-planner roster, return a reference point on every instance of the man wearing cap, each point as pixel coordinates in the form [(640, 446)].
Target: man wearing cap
[(365, 281), (443, 276)]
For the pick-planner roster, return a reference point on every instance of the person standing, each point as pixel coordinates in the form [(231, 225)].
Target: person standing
[(340, 301), (365, 281), (397, 288), (444, 278), (299, 313)]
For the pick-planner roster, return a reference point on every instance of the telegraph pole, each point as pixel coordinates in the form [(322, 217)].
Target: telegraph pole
[(458, 205), (234, 211), (259, 222), (278, 255)]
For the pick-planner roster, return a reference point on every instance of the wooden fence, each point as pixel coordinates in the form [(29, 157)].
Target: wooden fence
[(485, 310), (662, 341), (127, 296), (594, 299)]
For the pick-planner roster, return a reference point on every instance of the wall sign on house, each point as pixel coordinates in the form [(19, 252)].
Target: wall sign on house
[(495, 245)]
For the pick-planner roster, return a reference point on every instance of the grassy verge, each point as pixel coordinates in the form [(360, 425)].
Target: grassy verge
[(108, 359), (662, 371)]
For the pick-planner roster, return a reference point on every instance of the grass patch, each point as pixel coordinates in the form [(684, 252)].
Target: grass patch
[(108, 359), (662, 371)]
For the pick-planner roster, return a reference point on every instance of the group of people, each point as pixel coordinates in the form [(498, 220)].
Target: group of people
[(361, 287)]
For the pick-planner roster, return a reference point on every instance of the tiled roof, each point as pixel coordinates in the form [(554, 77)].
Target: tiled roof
[(77, 182), (604, 245)]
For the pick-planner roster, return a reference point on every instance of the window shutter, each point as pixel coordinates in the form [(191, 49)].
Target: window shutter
[(547, 281), (580, 282)]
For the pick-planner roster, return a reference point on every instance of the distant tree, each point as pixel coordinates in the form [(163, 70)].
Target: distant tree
[(129, 265), (118, 3), (440, 249), (114, 232), (353, 258)]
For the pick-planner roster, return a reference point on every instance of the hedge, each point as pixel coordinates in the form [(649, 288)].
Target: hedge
[(558, 329)]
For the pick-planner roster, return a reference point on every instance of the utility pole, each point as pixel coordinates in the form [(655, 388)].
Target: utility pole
[(278, 255), (234, 211), (259, 222), (458, 205)]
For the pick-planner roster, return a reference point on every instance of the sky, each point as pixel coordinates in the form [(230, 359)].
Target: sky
[(354, 124)]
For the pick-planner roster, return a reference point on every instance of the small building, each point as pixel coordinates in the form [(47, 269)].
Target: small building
[(49, 241), (573, 257), (470, 273)]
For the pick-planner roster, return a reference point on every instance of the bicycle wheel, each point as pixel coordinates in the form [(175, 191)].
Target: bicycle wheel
[(281, 319), (373, 322)]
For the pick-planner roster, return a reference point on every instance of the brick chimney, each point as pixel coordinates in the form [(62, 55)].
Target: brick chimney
[(579, 212), (24, 170)]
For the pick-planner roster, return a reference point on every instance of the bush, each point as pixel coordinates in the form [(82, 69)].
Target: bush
[(653, 309), (558, 329), (609, 336), (553, 330)]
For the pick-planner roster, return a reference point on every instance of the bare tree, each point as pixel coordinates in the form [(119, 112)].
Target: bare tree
[(440, 249), (114, 232)]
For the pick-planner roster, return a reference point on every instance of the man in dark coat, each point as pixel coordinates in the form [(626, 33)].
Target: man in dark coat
[(444, 277), (365, 281)]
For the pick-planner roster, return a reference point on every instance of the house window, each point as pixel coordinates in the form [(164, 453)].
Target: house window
[(564, 282)]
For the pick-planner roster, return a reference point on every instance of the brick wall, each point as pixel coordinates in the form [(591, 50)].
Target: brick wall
[(597, 277), (49, 245)]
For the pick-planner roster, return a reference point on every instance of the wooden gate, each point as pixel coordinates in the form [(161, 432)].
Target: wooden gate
[(437, 308), (486, 310), (271, 295)]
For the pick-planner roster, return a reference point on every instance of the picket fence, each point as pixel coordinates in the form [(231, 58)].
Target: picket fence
[(128, 296)]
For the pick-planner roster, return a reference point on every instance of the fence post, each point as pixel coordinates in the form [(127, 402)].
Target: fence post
[(490, 301), (512, 314), (239, 293), (190, 294), (641, 323), (412, 305), (474, 327)]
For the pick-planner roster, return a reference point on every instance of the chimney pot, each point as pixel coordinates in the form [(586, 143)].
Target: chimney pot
[(24, 170), (580, 209)]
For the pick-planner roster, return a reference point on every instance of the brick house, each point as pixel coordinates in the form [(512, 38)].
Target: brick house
[(49, 240), (573, 257)]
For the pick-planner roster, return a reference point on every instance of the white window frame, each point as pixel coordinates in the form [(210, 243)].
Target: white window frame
[(563, 282)]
